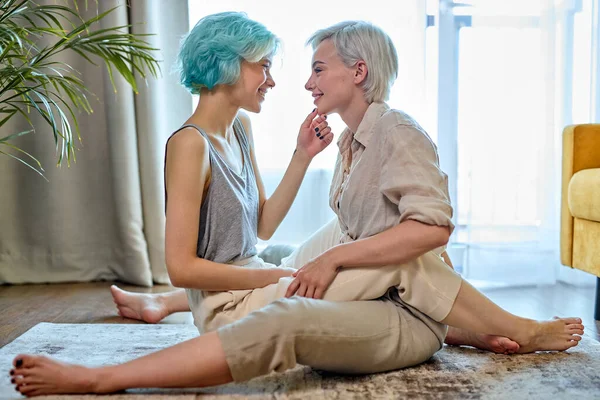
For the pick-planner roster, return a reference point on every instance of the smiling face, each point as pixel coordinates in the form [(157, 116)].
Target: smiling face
[(255, 80), (331, 83)]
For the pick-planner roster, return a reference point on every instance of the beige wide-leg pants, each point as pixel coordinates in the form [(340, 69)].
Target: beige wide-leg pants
[(354, 337), (263, 332)]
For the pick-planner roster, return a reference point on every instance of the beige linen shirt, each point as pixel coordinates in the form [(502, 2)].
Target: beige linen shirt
[(386, 173)]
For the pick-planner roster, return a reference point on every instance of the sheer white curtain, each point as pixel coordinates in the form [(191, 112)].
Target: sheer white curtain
[(276, 127), (523, 73)]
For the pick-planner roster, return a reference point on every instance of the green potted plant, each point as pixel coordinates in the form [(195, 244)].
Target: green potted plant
[(33, 81)]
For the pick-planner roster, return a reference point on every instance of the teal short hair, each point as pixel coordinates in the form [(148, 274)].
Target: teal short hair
[(211, 54)]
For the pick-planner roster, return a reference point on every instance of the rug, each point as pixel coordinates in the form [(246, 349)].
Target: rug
[(452, 373)]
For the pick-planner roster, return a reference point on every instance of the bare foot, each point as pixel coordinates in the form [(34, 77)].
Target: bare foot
[(38, 375), (496, 344), (141, 306), (558, 334)]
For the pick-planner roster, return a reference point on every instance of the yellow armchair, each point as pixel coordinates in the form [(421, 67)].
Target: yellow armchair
[(580, 201)]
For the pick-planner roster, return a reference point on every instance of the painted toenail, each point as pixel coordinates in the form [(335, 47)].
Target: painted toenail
[(12, 372), (19, 363), (12, 381)]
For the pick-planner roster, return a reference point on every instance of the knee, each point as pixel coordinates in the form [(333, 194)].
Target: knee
[(287, 317)]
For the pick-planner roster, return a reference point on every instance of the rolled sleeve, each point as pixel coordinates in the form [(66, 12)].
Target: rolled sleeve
[(411, 177)]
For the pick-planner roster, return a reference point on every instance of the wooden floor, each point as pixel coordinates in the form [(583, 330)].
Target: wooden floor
[(22, 307)]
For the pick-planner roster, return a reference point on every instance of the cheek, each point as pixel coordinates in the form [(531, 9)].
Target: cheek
[(322, 83), (335, 84), (258, 78)]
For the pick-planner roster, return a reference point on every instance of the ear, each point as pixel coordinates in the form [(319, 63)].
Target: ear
[(360, 72)]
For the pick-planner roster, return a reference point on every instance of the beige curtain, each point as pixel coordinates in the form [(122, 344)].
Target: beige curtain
[(102, 218)]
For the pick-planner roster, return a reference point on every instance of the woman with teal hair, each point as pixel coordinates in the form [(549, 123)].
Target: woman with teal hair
[(394, 218)]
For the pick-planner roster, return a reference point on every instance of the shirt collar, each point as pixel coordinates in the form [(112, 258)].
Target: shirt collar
[(366, 127)]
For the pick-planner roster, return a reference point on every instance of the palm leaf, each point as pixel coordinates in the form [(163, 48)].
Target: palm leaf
[(31, 80), (14, 135), (37, 169)]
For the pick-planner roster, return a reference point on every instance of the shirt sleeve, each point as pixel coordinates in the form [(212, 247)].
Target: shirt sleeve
[(411, 177)]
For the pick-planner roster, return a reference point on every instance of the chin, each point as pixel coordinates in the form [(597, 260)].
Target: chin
[(324, 110), (254, 108)]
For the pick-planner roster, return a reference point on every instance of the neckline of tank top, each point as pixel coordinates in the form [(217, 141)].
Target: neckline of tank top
[(237, 137)]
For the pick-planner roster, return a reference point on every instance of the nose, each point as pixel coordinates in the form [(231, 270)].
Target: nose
[(309, 85), (270, 81)]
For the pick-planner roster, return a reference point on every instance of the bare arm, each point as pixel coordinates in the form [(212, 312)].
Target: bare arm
[(276, 207), (211, 276), (187, 176), (397, 245)]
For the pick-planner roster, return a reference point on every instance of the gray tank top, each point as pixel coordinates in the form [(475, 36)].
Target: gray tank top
[(229, 211)]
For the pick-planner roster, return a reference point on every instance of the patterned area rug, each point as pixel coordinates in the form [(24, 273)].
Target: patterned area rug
[(461, 373)]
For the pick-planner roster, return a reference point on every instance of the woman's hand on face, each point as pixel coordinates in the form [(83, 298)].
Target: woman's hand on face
[(313, 279), (315, 134)]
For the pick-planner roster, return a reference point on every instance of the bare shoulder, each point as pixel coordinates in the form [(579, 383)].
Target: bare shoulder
[(188, 140), (188, 150)]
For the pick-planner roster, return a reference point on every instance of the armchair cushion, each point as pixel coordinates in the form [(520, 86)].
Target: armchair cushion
[(584, 194)]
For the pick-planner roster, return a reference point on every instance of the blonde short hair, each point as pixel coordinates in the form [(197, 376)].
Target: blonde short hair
[(361, 40)]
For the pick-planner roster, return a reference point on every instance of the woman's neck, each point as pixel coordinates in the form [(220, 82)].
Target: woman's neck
[(215, 112), (353, 114)]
